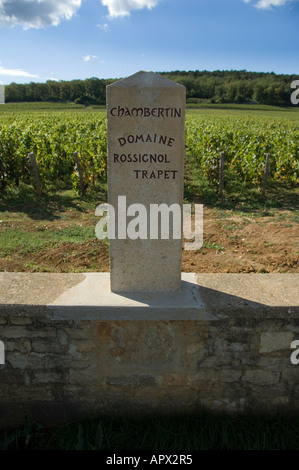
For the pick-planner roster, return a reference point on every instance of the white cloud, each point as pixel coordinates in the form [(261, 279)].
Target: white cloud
[(36, 13), (104, 27), (16, 73), (123, 7), (267, 4), (88, 57)]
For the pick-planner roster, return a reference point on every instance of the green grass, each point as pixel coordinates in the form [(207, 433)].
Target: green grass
[(193, 106), (25, 219), (202, 431), (24, 107), (28, 242), (51, 204), (213, 246)]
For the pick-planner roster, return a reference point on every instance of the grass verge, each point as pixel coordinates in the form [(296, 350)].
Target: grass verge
[(204, 431)]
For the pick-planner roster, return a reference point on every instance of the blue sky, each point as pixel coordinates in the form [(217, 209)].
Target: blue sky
[(68, 39)]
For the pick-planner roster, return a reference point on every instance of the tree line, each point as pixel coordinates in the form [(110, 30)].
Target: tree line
[(236, 86), (217, 87)]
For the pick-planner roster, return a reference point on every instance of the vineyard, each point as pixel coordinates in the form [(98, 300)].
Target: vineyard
[(243, 231), (54, 137), (245, 142)]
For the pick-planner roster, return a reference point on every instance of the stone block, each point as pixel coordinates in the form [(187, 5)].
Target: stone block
[(134, 381), (260, 377), (146, 135), (275, 341)]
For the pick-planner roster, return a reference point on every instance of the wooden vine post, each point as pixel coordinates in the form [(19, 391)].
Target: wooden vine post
[(266, 171), (35, 173), (221, 173), (77, 161)]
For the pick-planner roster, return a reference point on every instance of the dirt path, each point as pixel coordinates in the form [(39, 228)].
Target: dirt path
[(232, 244)]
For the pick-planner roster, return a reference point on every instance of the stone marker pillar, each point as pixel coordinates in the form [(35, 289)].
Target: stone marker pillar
[(146, 141)]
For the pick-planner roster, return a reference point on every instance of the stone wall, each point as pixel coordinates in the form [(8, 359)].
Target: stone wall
[(63, 369)]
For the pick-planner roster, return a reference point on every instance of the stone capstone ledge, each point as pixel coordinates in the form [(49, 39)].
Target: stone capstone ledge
[(87, 296), (75, 350)]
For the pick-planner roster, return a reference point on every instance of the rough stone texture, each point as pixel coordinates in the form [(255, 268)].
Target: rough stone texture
[(146, 116), (60, 369), (275, 341)]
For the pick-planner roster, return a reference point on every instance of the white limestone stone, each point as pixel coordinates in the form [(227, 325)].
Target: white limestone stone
[(146, 140)]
